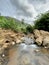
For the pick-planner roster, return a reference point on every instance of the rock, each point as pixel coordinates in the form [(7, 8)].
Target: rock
[(0, 62), (13, 43), (6, 45), (8, 38), (1, 41), (39, 40), (27, 40), (18, 41), (46, 41), (41, 37), (44, 33), (1, 51), (38, 37), (36, 33), (3, 55)]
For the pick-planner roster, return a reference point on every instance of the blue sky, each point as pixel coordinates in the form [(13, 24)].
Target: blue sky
[(23, 9)]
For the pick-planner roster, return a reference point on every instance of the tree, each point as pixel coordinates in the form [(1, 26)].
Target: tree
[(42, 23), (22, 21)]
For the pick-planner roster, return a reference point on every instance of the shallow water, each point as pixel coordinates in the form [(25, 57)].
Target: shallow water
[(28, 55)]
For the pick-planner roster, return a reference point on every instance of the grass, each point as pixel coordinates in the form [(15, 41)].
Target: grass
[(13, 24)]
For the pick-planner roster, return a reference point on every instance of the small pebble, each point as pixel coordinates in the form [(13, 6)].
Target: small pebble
[(45, 47), (13, 43), (3, 55), (37, 50)]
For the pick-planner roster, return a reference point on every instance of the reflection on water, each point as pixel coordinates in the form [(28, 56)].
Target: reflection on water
[(28, 55)]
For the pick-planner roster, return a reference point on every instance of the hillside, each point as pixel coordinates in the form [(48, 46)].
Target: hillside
[(13, 24)]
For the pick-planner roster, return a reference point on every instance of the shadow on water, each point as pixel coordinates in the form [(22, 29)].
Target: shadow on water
[(28, 55)]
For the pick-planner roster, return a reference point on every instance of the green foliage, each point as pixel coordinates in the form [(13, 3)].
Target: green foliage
[(29, 28), (15, 25), (42, 23)]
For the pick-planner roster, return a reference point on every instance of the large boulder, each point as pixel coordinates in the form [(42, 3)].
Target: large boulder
[(46, 41), (39, 40), (44, 33), (41, 37), (36, 33), (38, 37)]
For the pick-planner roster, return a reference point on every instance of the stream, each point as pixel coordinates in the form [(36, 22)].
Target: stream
[(25, 54)]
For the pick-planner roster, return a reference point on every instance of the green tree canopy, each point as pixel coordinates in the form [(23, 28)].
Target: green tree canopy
[(42, 23)]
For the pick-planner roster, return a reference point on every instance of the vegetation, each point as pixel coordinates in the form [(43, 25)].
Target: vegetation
[(29, 28), (42, 23), (15, 25)]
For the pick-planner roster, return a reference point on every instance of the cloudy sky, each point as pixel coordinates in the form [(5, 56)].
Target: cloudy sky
[(23, 9)]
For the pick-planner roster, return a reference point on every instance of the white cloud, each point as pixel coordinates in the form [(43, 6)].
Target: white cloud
[(44, 7), (26, 9)]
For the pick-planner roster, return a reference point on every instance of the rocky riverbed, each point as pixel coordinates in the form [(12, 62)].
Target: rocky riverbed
[(8, 39), (19, 49), (25, 54)]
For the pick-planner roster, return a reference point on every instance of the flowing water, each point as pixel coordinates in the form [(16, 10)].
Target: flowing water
[(28, 55)]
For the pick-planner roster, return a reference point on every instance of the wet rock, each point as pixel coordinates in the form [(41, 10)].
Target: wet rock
[(27, 40)]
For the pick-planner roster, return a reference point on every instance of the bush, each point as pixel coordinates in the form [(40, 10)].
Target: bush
[(13, 24), (29, 28), (42, 23)]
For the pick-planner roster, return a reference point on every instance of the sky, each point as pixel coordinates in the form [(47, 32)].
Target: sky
[(23, 9)]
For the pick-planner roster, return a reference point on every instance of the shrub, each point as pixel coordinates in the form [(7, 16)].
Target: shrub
[(29, 28), (12, 23)]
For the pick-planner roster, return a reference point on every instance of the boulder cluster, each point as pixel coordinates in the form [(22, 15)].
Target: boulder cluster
[(41, 37), (9, 38)]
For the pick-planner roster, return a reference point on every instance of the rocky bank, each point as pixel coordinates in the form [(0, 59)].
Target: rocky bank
[(8, 39)]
